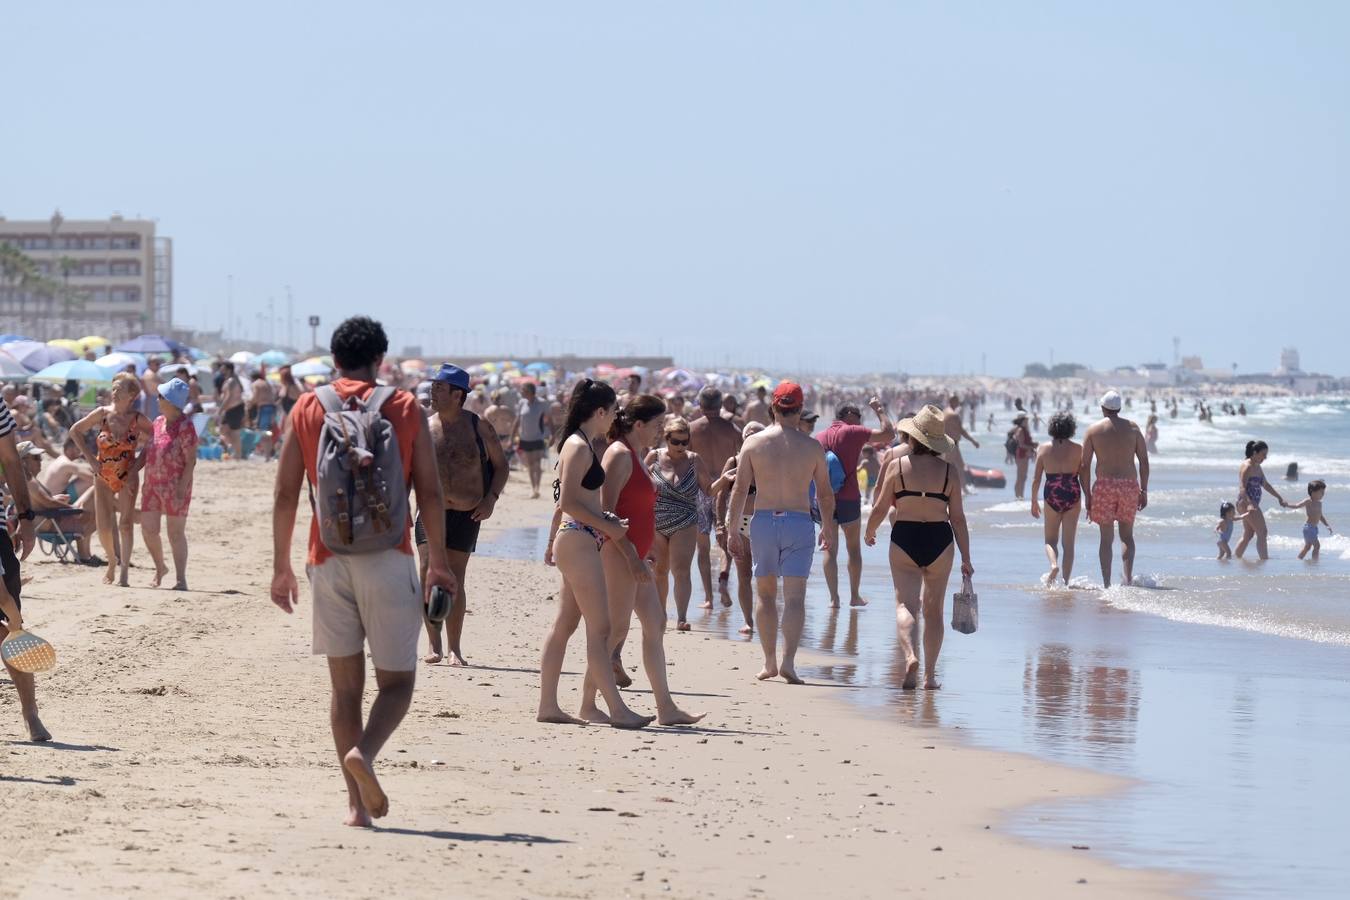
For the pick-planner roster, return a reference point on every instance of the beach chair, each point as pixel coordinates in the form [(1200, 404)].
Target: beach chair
[(53, 538)]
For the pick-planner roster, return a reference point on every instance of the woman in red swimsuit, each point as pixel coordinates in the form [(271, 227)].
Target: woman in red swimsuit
[(628, 490)]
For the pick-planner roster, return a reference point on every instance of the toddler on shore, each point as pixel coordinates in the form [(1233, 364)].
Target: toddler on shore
[(1313, 507)]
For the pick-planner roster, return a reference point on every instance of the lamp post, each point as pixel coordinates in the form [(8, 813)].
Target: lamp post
[(314, 331)]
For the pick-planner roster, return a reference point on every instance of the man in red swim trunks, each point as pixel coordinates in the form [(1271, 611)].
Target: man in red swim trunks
[(1120, 491)]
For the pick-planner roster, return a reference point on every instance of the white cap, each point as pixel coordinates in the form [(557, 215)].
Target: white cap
[(1111, 401)]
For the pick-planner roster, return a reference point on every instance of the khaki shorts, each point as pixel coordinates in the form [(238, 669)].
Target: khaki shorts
[(371, 597)]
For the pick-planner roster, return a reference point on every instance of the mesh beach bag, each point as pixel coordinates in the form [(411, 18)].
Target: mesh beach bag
[(966, 608)]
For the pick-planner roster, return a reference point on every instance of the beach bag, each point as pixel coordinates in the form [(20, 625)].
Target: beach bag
[(966, 608), (836, 466), (1010, 444), (362, 499)]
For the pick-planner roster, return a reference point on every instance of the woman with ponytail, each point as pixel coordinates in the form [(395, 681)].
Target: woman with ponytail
[(630, 493), (1252, 483), (575, 548)]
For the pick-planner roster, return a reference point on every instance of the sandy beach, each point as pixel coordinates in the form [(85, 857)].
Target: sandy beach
[(193, 756)]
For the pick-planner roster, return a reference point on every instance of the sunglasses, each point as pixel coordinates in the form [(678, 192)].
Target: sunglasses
[(676, 442)]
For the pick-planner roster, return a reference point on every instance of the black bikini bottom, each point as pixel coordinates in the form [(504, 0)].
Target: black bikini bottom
[(924, 542)]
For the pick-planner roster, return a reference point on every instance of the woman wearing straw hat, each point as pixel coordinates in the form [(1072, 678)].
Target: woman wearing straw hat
[(925, 492)]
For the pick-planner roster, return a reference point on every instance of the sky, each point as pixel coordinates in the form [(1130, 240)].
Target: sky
[(847, 186)]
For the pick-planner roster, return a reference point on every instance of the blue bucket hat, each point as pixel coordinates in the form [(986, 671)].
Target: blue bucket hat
[(176, 392), (454, 376)]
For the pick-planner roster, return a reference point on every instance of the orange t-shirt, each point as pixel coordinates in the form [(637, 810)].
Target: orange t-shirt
[(306, 420)]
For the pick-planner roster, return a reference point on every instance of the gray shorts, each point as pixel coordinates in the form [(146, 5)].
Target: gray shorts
[(373, 598)]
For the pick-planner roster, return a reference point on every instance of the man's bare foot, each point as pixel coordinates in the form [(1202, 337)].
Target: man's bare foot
[(534, 495), (556, 716), (930, 683), (834, 604), (1054, 573), (726, 600), (123, 582), (769, 671), (683, 626), (357, 817), (37, 732), (857, 602), (790, 676), (706, 605), (631, 720), (679, 717), (594, 715), (457, 659), (621, 677), (432, 658), (111, 575), (911, 675), (160, 572), (745, 629), (180, 586), (372, 795)]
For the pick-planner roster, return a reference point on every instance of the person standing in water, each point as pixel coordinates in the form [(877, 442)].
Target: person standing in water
[(951, 424), (782, 464), (1251, 483), (1121, 490), (1059, 461)]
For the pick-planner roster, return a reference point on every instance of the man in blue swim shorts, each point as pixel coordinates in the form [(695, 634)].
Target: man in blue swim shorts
[(781, 462)]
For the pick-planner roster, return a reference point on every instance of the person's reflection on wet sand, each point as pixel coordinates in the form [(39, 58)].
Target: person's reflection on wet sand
[(1098, 705)]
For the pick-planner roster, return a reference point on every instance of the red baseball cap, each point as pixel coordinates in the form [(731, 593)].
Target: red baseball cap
[(788, 396)]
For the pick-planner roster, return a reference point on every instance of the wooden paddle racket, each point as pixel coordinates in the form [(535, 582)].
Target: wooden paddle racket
[(26, 652)]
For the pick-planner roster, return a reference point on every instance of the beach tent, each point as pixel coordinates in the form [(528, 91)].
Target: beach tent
[(151, 343), (11, 368), (119, 360), (34, 356), (81, 370)]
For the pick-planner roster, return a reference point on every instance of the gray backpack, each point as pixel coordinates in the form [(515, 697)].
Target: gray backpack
[(360, 498)]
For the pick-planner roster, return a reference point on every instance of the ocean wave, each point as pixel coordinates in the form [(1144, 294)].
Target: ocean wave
[(1196, 609), (1018, 506), (1337, 545)]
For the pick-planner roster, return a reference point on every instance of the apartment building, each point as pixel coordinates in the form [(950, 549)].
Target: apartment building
[(112, 270)]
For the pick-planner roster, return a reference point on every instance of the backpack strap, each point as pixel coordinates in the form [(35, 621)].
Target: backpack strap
[(379, 397), (483, 459), (328, 398)]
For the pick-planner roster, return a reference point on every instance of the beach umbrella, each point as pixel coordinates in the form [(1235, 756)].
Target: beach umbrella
[(274, 358), (538, 367), (487, 367), (604, 369), (151, 343), (197, 354), (11, 367), (311, 368), (525, 379), (34, 356), (242, 358), (94, 342), (81, 370), (11, 338), (510, 364), (119, 360), (67, 344)]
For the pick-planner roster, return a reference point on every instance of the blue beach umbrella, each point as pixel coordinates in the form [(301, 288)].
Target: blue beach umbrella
[(119, 360), (151, 343), (311, 367), (274, 358), (11, 338), (35, 356), (538, 367), (81, 370)]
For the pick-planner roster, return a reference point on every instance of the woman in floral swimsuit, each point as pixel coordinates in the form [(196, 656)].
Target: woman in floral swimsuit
[(1058, 461), (169, 463), (122, 432)]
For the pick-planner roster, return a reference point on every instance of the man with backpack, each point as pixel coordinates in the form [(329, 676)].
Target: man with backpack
[(473, 471), (360, 446)]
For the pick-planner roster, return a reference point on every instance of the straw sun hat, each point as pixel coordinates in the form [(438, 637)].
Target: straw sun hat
[(926, 428)]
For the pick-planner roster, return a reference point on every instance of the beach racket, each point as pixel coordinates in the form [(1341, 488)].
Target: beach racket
[(439, 606), (26, 652)]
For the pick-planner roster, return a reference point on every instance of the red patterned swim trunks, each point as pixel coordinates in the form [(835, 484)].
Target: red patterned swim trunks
[(1115, 500)]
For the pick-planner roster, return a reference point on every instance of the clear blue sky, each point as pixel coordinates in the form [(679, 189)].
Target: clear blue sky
[(830, 185)]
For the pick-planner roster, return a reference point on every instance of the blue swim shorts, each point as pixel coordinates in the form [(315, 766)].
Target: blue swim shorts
[(782, 542), (1309, 532)]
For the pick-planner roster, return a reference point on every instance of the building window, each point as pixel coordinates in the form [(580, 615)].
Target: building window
[(126, 242), (126, 267)]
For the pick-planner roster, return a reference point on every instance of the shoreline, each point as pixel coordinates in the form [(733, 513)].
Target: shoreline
[(194, 755)]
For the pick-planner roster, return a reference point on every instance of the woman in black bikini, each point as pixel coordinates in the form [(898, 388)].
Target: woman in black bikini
[(1058, 461), (925, 491), (575, 549)]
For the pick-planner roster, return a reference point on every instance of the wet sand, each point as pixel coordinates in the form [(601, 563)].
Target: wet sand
[(194, 756)]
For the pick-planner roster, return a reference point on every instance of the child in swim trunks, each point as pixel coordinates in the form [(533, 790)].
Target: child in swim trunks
[(1228, 517), (1313, 506)]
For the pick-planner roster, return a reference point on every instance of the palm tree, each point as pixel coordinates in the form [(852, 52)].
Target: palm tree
[(17, 271)]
